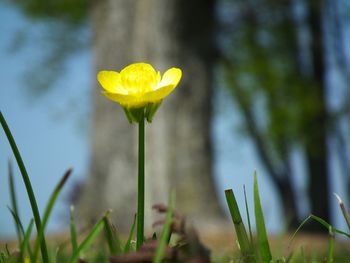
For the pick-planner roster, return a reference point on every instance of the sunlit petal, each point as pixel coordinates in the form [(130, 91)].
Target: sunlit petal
[(139, 85), (159, 94), (129, 101), (139, 78), (171, 77), (110, 81)]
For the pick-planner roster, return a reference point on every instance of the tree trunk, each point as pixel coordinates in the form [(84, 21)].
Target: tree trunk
[(285, 191), (178, 149), (316, 144)]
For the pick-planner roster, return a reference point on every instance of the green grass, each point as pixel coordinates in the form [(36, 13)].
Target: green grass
[(103, 242)]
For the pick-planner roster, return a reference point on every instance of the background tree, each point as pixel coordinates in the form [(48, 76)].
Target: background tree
[(275, 63), (178, 148), (164, 33), (276, 56)]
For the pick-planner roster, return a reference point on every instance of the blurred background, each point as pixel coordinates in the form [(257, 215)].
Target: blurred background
[(265, 88)]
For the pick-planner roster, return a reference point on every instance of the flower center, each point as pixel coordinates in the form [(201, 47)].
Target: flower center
[(139, 78)]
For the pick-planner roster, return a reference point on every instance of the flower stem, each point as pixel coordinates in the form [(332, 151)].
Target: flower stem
[(141, 185)]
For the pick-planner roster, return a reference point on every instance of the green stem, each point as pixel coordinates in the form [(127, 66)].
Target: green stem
[(141, 185)]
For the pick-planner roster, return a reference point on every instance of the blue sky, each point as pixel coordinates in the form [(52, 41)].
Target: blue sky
[(49, 145)]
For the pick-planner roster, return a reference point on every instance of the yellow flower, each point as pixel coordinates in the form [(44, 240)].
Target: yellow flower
[(138, 85)]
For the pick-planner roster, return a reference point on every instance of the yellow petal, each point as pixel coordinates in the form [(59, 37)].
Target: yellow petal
[(138, 78), (138, 85), (171, 77), (168, 83), (110, 81), (129, 101), (157, 95)]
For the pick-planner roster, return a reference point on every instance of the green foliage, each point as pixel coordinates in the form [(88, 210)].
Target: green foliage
[(277, 78), (112, 238), (129, 243), (263, 242), (64, 33), (264, 76), (70, 11), (88, 240), (166, 232), (259, 250), (246, 245), (262, 252)]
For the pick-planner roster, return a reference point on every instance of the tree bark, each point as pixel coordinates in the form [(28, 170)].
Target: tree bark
[(285, 191), (178, 148), (316, 141)]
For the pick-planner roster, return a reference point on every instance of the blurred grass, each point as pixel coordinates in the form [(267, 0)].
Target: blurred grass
[(222, 243), (97, 245)]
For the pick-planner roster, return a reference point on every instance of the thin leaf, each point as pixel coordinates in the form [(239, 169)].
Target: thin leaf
[(55, 256), (27, 184), (166, 232), (89, 239), (17, 223), (322, 222), (17, 220), (294, 257), (241, 233), (297, 230), (112, 238), (263, 242), (73, 231), (343, 209), (25, 243), (248, 216), (330, 246), (326, 225), (127, 246), (14, 203), (48, 210)]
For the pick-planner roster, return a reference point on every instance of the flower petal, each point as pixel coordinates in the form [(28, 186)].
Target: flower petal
[(138, 78), (129, 101), (171, 77), (157, 95), (110, 81)]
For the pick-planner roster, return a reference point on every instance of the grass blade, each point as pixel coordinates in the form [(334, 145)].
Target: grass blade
[(241, 233), (25, 243), (263, 242), (327, 226), (248, 216), (166, 232), (89, 239), (343, 209), (18, 227), (48, 210), (112, 238), (27, 184), (330, 246), (297, 230), (296, 257), (14, 203), (17, 220), (73, 231), (127, 246)]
